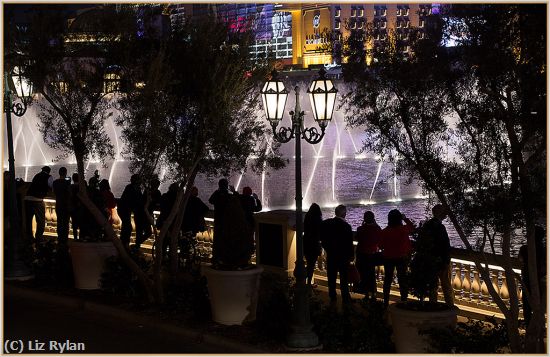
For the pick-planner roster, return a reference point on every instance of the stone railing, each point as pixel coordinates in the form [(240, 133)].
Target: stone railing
[(469, 287)]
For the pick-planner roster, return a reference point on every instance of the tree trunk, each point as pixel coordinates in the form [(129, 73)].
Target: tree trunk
[(109, 231), (179, 220), (164, 230)]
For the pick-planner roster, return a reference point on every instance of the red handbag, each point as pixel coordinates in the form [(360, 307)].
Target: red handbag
[(353, 274)]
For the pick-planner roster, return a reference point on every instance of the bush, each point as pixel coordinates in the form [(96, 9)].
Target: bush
[(353, 330), (473, 336), (273, 312), (119, 280), (50, 264)]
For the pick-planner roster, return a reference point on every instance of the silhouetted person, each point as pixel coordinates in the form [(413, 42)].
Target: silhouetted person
[(440, 247), (109, 201), (367, 256), (541, 272), (132, 201), (193, 218), (94, 181), (151, 197), (34, 204), (76, 207), (250, 203), (337, 240), (167, 201), (220, 200), (396, 248), (154, 203), (62, 191), (312, 238)]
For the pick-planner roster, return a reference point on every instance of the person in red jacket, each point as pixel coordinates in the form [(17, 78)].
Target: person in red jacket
[(109, 200), (366, 254), (396, 249)]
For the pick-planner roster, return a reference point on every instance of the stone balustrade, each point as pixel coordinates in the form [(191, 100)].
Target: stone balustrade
[(469, 287)]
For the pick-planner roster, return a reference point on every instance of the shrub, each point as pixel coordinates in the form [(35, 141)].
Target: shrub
[(353, 330), (273, 312), (117, 279), (50, 264), (473, 336)]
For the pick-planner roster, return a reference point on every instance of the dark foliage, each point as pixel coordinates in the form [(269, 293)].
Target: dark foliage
[(473, 336), (273, 312), (353, 330), (119, 280), (52, 265), (235, 242)]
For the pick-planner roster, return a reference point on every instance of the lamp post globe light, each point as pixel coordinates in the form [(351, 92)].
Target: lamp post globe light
[(16, 269), (322, 94)]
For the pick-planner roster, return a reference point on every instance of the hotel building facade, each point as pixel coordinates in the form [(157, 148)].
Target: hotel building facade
[(296, 34)]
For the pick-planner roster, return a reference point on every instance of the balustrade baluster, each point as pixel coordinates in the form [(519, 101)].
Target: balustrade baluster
[(53, 214), (504, 294), (466, 283), (476, 287), (48, 214), (457, 281)]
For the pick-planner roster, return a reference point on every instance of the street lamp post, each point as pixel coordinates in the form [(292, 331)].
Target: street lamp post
[(322, 95), (16, 269)]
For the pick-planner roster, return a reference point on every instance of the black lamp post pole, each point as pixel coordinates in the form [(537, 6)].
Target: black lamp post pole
[(16, 269), (302, 335)]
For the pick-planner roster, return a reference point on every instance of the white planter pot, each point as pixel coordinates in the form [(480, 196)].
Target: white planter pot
[(233, 294), (406, 324), (88, 260)]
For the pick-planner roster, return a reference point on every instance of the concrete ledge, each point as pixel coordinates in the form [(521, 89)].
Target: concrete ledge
[(150, 321)]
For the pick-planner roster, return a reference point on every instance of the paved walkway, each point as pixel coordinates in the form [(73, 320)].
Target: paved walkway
[(44, 323)]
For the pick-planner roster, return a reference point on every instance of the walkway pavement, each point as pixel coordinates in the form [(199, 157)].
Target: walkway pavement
[(33, 318)]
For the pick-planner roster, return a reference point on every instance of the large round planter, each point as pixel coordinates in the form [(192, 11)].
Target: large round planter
[(88, 260), (233, 294), (407, 322)]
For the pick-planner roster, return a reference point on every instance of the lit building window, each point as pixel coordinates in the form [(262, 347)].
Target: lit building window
[(353, 12), (61, 86), (337, 12), (407, 24), (383, 24), (111, 82), (353, 25), (337, 25), (398, 11), (398, 24), (361, 24), (383, 12), (361, 13), (406, 12)]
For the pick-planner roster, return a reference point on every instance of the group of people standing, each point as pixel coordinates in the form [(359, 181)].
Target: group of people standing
[(390, 247), (70, 212), (136, 201)]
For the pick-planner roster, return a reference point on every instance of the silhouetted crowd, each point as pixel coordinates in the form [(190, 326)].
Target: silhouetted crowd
[(390, 247)]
